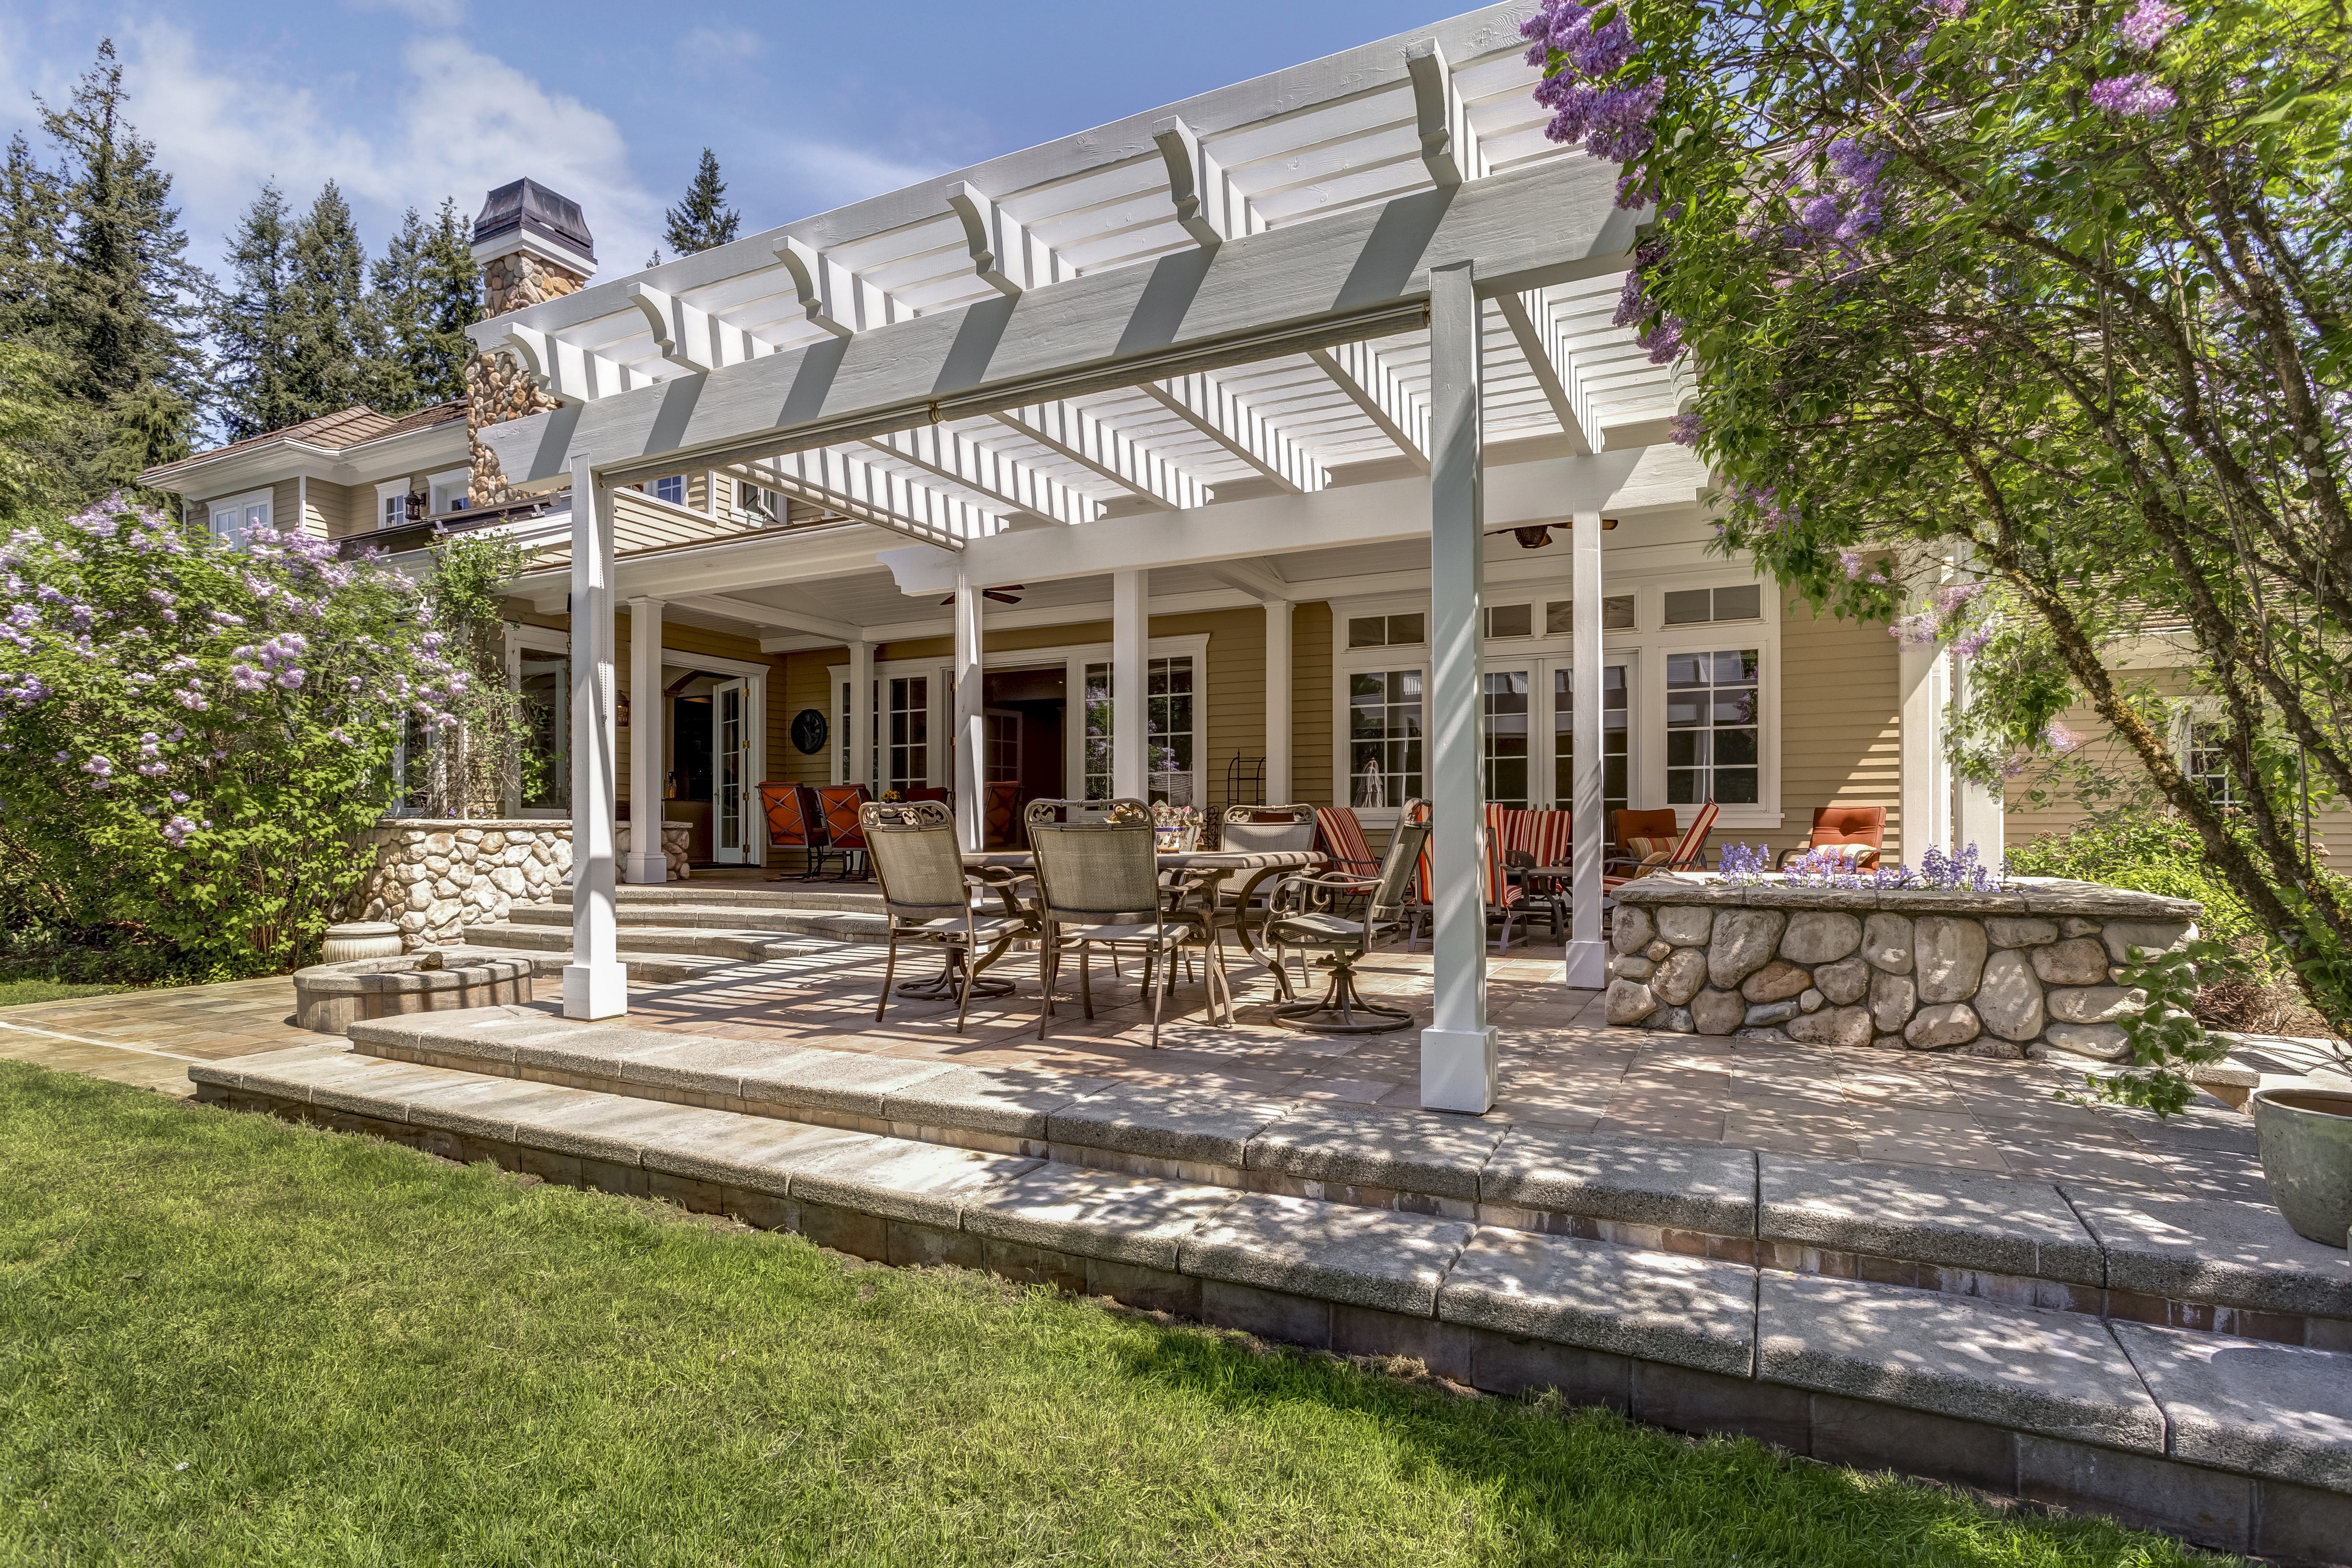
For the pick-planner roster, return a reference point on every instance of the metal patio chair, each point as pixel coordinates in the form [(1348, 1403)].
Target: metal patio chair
[(1098, 885), (1295, 926), (927, 895), (793, 823), (840, 805)]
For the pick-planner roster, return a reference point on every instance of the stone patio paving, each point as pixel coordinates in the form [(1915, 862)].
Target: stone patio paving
[(1561, 1065)]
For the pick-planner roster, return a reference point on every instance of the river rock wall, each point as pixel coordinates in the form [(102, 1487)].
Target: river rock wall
[(2032, 969), (434, 876)]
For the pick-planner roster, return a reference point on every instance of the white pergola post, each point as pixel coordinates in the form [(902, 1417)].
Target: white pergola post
[(1587, 958), (1925, 791), (968, 762), (861, 714), (1978, 817), (1457, 1050), (1277, 702), (1130, 633), (646, 862), (595, 985)]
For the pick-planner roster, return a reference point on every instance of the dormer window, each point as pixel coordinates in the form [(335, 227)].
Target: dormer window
[(449, 491), (670, 488)]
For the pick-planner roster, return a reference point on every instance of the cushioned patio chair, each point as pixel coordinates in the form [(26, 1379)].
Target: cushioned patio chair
[(1001, 813), (1300, 921), (1543, 837), (1640, 853), (1344, 842), (1499, 831), (839, 805), (928, 894), (1852, 836), (1098, 885), (793, 823)]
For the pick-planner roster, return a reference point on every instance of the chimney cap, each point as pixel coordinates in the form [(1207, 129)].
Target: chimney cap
[(527, 211)]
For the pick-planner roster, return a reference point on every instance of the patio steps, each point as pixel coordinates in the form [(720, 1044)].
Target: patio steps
[(837, 921), (2235, 1443), (735, 946)]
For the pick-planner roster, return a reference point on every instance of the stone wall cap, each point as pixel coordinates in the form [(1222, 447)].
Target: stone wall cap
[(2214, 1249), (2021, 896), (1364, 1146), (1361, 1256), (1962, 1221), (1660, 1306)]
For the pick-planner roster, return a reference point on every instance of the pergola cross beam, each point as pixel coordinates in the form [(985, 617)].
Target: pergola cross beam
[(1358, 371), (1207, 404)]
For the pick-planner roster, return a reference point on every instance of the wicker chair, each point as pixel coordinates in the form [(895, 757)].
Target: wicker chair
[(1295, 926), (927, 895), (1098, 884), (793, 824)]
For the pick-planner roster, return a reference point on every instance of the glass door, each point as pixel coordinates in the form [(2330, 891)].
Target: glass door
[(732, 768), (1507, 736), (1616, 739)]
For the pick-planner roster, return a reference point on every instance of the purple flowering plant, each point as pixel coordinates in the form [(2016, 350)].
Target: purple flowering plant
[(204, 776)]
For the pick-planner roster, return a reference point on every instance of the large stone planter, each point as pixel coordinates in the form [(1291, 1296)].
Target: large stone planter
[(330, 997), (2305, 1135), (2025, 971)]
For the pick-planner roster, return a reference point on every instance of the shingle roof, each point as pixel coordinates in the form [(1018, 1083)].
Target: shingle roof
[(351, 426)]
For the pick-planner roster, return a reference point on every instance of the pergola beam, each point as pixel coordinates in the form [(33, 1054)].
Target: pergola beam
[(961, 460), (1203, 403), (1071, 432), (874, 495), (1356, 370), (1359, 274), (1554, 367), (1258, 579)]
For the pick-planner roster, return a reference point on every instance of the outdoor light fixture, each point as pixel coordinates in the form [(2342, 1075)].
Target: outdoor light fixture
[(1008, 594), (1539, 535)]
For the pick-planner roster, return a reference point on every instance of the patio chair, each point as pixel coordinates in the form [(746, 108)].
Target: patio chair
[(931, 791), (1259, 830), (1098, 884), (1856, 833), (1293, 925), (839, 806), (1344, 842), (1641, 853), (793, 823), (1544, 838), (1501, 895), (1001, 813), (928, 894)]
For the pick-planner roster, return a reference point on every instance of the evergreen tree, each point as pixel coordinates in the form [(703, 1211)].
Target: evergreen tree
[(122, 290), (32, 237), (427, 291), (703, 219), (334, 338), (252, 322)]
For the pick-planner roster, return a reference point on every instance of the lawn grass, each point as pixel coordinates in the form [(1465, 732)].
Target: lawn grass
[(20, 992), (226, 1340)]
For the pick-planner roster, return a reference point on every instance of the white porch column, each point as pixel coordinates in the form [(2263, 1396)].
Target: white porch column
[(1925, 791), (647, 760), (1457, 1051), (1588, 962), (861, 715), (1131, 634), (1978, 817), (968, 762), (595, 985), (1277, 702)]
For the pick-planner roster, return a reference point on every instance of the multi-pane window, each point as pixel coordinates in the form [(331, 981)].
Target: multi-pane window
[(1170, 735), (909, 755), (1712, 724), (670, 488), (1502, 724), (1384, 730), (543, 685), (1615, 732), (1696, 607), (1387, 631), (1510, 620), (1616, 616), (2208, 763)]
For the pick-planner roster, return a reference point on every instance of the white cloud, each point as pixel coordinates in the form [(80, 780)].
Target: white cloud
[(836, 176), (462, 122), (707, 50), (430, 13)]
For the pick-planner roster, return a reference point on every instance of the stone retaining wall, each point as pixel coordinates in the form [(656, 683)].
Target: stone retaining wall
[(435, 875), (2015, 974)]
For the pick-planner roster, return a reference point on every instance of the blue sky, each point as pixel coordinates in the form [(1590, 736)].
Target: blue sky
[(808, 106)]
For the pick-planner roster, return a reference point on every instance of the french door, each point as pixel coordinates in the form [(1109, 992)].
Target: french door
[(730, 783), (1527, 732)]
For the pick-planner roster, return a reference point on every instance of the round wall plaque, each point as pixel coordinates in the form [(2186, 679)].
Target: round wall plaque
[(808, 731)]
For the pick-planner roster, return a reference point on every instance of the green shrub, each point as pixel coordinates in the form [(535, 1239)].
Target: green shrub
[(2146, 850)]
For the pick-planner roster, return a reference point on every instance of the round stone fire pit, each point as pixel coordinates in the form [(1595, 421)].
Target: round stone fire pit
[(330, 997), (2022, 971)]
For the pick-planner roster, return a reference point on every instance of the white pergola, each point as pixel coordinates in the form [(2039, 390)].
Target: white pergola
[(1284, 317)]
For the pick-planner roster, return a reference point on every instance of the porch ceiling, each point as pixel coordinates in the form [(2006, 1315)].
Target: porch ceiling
[(877, 359)]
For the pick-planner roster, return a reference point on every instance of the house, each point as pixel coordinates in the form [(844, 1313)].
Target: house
[(1275, 445)]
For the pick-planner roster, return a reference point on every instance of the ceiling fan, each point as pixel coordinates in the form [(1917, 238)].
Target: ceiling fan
[(1539, 535), (1008, 594)]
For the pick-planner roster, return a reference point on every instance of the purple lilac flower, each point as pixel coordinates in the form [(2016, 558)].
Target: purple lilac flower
[(1686, 429), (176, 831), (2148, 23), (2139, 96), (1973, 643)]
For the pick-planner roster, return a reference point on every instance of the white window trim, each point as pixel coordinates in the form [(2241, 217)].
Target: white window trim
[(1643, 649), (1072, 657), (388, 490), (264, 496), (460, 479)]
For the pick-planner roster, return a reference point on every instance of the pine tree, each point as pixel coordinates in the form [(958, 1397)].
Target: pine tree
[(252, 325), (702, 220), (335, 339), (122, 279), (427, 291), (32, 237)]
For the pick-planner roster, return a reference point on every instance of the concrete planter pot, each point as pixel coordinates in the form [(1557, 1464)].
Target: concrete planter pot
[(360, 938), (2306, 1135)]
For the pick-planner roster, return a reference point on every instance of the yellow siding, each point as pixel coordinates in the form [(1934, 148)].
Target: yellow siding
[(285, 503), (804, 684), (1310, 704), (1234, 684), (337, 510), (1840, 736)]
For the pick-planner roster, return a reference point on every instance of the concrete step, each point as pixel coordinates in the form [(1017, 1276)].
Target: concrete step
[(2206, 1264), (736, 946), (787, 895), (645, 968), (835, 924), (2235, 1443)]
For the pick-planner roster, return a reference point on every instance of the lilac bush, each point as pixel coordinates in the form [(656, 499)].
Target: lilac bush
[(192, 733)]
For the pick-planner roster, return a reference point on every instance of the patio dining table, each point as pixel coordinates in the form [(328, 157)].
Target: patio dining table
[(1203, 871)]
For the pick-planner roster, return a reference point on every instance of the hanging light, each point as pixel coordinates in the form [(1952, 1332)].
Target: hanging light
[(1008, 594)]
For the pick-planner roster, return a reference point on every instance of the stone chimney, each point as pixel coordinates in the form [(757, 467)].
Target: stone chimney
[(531, 246)]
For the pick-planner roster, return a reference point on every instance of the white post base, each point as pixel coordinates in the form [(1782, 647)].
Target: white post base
[(643, 869), (595, 990), (1587, 964), (1457, 1070)]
